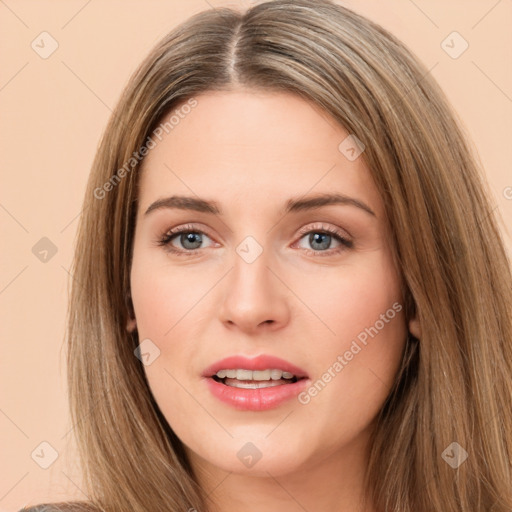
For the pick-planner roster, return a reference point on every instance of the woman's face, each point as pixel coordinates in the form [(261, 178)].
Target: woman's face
[(266, 269)]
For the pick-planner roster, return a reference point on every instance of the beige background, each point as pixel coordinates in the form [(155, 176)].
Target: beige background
[(53, 111)]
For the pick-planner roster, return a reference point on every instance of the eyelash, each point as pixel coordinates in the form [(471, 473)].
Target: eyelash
[(345, 243)]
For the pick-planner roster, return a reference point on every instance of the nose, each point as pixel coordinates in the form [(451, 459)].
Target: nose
[(254, 298)]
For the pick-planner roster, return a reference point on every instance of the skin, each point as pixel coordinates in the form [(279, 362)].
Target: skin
[(251, 152)]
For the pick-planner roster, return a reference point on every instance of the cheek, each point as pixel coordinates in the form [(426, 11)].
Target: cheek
[(351, 299), (337, 306), (166, 304), (163, 296), (169, 301), (356, 366), (353, 312)]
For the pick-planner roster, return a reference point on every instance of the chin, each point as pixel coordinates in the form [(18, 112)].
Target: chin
[(253, 458)]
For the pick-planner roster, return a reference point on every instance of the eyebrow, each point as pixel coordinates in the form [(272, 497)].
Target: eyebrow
[(292, 205)]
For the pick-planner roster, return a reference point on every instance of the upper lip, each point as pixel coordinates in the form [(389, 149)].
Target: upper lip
[(261, 362)]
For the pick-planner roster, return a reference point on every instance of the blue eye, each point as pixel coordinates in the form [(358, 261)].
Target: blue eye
[(189, 238), (320, 240)]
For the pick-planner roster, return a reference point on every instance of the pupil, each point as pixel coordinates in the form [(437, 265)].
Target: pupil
[(191, 238), (321, 238)]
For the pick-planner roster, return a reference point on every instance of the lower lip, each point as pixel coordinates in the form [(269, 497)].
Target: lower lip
[(260, 399)]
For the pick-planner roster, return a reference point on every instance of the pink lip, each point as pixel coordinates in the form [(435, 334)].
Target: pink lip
[(255, 399)]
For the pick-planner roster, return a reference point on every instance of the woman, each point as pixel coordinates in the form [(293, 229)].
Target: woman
[(338, 335)]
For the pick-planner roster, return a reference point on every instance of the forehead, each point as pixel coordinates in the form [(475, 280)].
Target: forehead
[(252, 146)]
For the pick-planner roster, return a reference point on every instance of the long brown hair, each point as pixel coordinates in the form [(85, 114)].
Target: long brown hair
[(455, 383)]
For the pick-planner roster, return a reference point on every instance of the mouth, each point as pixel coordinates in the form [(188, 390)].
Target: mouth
[(255, 379), (255, 384)]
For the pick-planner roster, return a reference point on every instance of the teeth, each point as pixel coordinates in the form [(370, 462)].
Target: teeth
[(244, 374), (254, 385), (257, 375), (276, 374)]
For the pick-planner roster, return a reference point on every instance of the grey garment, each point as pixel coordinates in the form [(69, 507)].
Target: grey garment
[(54, 507), (70, 506), (42, 508)]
